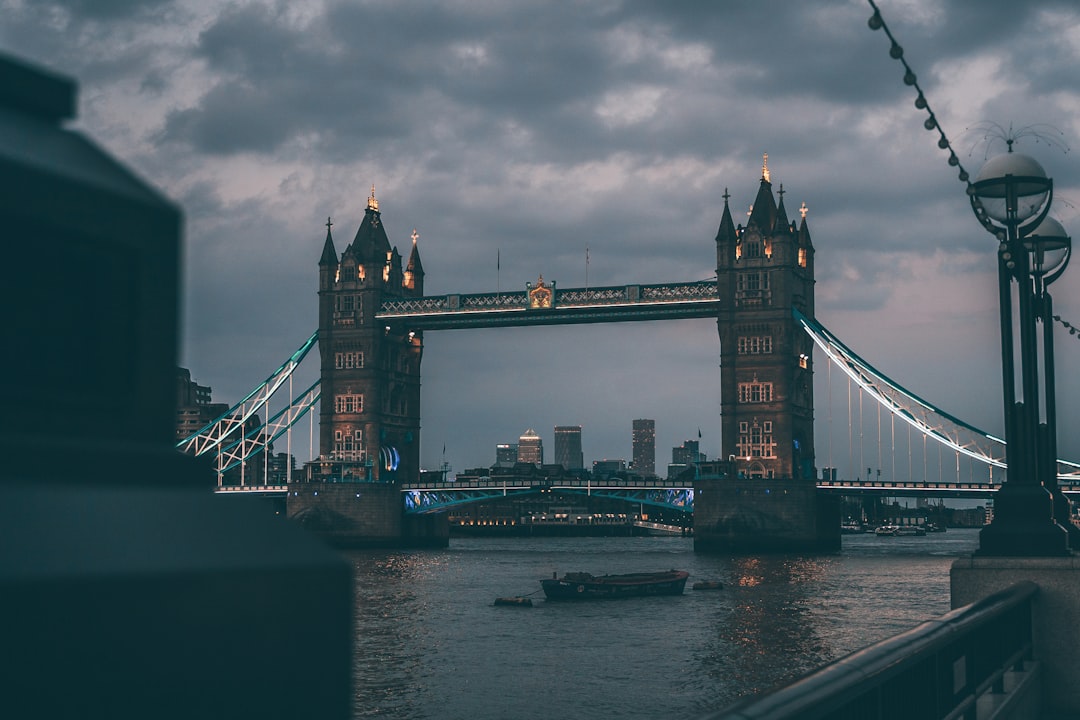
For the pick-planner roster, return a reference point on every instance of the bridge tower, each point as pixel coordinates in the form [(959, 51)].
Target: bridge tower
[(769, 498), (369, 424)]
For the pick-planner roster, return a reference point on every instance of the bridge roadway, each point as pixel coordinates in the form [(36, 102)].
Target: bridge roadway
[(546, 305), (430, 497)]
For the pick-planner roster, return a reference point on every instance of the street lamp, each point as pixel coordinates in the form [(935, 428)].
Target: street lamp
[(1011, 198)]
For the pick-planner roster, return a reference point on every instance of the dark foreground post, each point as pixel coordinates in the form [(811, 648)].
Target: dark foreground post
[(129, 590)]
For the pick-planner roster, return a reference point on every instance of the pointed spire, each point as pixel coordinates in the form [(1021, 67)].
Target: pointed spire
[(763, 211), (804, 230), (726, 233), (329, 253), (781, 224), (370, 243), (415, 267)]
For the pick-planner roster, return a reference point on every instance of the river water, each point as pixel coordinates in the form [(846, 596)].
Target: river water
[(431, 644)]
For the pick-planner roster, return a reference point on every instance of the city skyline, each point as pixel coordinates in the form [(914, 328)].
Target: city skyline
[(593, 146)]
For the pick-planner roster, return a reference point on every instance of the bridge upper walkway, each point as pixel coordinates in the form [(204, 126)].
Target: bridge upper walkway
[(546, 305)]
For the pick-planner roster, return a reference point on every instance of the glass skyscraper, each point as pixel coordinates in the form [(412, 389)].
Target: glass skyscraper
[(568, 447), (644, 447)]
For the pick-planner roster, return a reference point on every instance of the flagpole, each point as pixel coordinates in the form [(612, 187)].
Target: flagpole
[(586, 271)]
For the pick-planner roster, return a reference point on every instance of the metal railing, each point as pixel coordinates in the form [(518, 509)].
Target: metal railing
[(938, 669)]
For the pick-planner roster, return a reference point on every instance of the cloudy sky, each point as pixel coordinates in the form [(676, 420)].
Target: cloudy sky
[(530, 131)]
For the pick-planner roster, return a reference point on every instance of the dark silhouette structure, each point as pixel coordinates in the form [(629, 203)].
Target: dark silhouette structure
[(129, 589)]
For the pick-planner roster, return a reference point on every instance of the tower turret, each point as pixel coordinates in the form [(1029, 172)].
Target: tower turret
[(414, 271)]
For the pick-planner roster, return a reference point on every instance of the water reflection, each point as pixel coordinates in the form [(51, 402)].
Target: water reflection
[(430, 643), (392, 651), (768, 634)]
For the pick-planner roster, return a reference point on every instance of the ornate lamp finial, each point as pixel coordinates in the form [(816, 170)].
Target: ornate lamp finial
[(802, 211), (372, 203), (765, 167)]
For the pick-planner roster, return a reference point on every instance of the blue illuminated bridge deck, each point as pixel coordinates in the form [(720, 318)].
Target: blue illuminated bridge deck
[(434, 497)]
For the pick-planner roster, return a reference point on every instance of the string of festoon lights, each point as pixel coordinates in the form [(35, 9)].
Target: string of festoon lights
[(876, 22)]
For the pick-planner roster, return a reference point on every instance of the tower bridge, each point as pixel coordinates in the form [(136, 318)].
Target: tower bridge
[(366, 485), (373, 314)]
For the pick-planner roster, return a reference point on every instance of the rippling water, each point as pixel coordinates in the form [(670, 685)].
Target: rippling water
[(430, 644)]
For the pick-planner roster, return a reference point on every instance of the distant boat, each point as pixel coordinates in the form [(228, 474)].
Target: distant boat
[(900, 530), (584, 586)]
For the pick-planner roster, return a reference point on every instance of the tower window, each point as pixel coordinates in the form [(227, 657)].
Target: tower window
[(349, 360), (755, 345), (802, 257), (755, 441), (755, 392), (348, 403)]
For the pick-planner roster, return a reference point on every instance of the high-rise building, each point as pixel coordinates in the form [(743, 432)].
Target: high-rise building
[(194, 409), (530, 448), (506, 454), (687, 454), (568, 447), (683, 457), (644, 436)]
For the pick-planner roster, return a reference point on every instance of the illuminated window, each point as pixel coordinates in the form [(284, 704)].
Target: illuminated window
[(755, 392), (802, 257), (348, 403), (755, 441)]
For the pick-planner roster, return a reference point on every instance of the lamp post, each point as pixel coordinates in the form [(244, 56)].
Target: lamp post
[(1011, 199)]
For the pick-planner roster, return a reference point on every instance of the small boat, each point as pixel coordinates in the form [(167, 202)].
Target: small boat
[(515, 601), (910, 530), (584, 586), (708, 585), (887, 530)]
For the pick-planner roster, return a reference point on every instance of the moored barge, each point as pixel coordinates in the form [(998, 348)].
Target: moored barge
[(584, 586)]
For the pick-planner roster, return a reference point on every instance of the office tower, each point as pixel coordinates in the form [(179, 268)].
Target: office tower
[(506, 454), (194, 408), (530, 448), (687, 454), (568, 447), (644, 436)]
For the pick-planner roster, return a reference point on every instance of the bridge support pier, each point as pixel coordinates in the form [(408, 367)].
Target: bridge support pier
[(363, 515), (754, 515), (1055, 622)]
